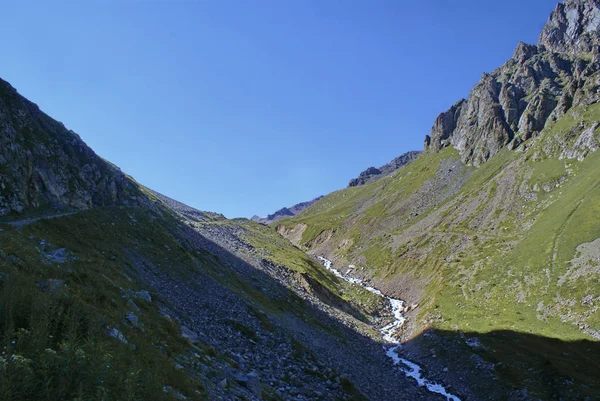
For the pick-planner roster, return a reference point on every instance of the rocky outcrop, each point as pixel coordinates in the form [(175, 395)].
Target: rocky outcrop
[(45, 165), (372, 173), (285, 212), (572, 28), (538, 85), (443, 127), (365, 177)]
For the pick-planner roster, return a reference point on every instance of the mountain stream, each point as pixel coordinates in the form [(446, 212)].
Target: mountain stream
[(389, 334)]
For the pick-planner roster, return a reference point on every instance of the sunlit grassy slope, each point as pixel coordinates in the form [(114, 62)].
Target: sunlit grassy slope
[(499, 247)]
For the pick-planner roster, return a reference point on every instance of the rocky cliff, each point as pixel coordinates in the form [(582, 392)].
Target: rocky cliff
[(372, 173), (538, 85), (45, 165)]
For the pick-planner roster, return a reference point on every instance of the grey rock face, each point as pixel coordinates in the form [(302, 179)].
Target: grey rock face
[(573, 27), (443, 127), (373, 174), (42, 164), (539, 84), (585, 143), (364, 177)]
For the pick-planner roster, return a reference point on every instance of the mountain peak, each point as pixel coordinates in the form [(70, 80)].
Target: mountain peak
[(524, 52), (538, 85), (573, 27)]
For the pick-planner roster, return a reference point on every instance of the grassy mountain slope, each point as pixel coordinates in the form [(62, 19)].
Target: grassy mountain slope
[(511, 245), (55, 341), (109, 290), (68, 282)]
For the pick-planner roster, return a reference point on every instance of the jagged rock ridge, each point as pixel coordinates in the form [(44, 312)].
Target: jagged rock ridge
[(539, 84), (372, 173), (285, 212)]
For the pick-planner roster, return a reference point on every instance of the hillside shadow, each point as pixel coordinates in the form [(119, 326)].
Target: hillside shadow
[(228, 301), (226, 290), (499, 365), (509, 365)]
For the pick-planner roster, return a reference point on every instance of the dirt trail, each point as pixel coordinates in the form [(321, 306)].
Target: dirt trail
[(22, 223)]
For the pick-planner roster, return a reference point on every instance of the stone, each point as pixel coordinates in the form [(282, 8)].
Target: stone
[(189, 334), (133, 305), (13, 259), (116, 334), (51, 285), (254, 385), (145, 295), (251, 382), (133, 320), (174, 393), (57, 256)]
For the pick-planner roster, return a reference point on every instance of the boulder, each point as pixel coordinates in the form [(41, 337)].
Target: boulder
[(145, 295), (133, 320), (116, 334)]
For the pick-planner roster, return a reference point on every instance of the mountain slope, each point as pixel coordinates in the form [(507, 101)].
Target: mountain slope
[(495, 226), (109, 290), (45, 166)]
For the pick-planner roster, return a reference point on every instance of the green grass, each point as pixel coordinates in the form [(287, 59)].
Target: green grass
[(484, 268), (329, 288), (336, 209), (56, 344)]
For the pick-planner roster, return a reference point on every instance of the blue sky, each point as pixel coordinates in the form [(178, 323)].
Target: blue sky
[(242, 107)]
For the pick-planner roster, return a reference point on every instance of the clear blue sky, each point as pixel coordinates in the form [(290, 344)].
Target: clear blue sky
[(242, 107)]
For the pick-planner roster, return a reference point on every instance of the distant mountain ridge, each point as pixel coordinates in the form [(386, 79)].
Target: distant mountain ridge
[(285, 212), (371, 174)]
